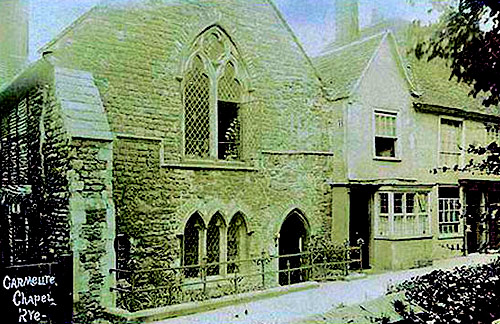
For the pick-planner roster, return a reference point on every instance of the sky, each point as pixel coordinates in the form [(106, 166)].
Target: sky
[(312, 20)]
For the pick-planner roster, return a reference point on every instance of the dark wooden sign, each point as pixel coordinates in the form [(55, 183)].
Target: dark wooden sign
[(37, 293)]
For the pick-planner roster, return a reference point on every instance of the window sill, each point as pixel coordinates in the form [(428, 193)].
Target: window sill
[(450, 236), (389, 159), (209, 165), (404, 238)]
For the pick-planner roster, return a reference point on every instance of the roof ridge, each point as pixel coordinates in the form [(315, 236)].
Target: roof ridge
[(295, 38), (368, 64), (68, 28), (357, 42)]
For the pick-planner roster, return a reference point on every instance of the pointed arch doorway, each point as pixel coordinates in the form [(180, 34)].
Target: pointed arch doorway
[(293, 238)]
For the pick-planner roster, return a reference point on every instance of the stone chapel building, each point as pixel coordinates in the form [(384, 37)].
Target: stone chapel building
[(160, 133)]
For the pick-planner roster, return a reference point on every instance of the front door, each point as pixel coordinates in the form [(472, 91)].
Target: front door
[(473, 220), (359, 223)]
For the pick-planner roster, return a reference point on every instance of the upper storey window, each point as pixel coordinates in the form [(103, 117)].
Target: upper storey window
[(450, 151), (197, 111), (213, 94), (386, 135)]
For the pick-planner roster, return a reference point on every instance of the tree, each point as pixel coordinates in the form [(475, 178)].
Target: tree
[(468, 38)]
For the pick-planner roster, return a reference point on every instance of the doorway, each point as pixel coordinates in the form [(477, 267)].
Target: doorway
[(292, 240), (473, 220), (359, 223)]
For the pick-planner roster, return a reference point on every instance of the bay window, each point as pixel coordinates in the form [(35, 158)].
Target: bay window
[(402, 214)]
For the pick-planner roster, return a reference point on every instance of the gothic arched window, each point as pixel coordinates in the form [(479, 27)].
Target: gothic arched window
[(236, 243), (193, 238), (215, 232), (213, 93), (197, 111)]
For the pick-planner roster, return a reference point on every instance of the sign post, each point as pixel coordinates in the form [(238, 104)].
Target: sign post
[(37, 293)]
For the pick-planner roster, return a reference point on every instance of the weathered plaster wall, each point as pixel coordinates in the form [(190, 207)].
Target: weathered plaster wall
[(383, 88)]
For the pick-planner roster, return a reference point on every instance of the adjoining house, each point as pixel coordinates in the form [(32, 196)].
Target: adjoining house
[(160, 134), (403, 119)]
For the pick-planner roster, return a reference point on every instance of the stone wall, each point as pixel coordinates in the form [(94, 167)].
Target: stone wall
[(92, 230), (69, 183), (33, 151), (54, 151), (137, 56), (154, 201)]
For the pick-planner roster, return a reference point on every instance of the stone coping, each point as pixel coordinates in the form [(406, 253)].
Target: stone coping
[(157, 314)]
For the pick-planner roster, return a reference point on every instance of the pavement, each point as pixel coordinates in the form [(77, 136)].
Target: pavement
[(307, 306)]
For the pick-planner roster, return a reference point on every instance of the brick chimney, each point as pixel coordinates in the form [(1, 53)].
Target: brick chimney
[(13, 37), (346, 20)]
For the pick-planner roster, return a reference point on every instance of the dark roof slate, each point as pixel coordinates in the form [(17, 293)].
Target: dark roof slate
[(432, 79), (340, 69)]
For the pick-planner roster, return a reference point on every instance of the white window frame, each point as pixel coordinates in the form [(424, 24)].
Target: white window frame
[(414, 232), (461, 155), (449, 223), (397, 140)]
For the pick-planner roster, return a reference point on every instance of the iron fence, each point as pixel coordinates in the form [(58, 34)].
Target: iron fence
[(147, 288)]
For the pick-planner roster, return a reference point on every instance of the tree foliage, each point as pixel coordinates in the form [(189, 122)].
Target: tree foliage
[(467, 36), (486, 160)]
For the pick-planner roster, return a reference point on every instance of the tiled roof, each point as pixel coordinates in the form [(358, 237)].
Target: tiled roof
[(397, 26), (435, 87), (341, 68)]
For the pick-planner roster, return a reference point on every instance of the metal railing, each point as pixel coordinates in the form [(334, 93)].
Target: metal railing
[(146, 288)]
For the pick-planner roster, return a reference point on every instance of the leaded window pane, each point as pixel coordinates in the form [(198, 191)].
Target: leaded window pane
[(229, 89), (213, 244), (191, 248), (214, 48), (235, 236), (197, 112), (212, 98)]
